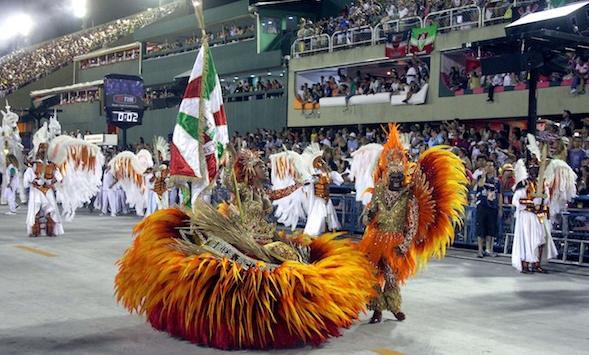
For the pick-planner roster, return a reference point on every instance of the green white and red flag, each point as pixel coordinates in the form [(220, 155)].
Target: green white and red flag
[(200, 135)]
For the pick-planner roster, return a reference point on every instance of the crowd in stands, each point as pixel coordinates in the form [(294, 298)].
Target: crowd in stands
[(406, 80), (577, 74), (373, 12), (228, 34), (26, 65), (111, 58), (74, 97), (268, 88), (477, 145)]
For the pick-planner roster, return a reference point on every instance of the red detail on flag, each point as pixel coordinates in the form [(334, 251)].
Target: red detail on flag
[(193, 89), (478, 90), (459, 92), (212, 166), (179, 166), (206, 138), (220, 117)]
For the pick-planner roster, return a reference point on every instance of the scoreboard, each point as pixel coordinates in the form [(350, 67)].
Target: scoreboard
[(123, 99)]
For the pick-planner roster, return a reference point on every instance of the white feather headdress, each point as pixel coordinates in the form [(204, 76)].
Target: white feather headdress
[(520, 172), (533, 147), (162, 147)]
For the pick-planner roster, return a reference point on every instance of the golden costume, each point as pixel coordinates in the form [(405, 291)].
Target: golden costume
[(411, 214)]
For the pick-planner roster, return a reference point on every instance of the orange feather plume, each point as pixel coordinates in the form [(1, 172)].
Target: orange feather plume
[(216, 302)]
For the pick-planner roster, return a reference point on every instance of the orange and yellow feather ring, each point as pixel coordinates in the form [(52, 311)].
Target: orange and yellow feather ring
[(215, 302)]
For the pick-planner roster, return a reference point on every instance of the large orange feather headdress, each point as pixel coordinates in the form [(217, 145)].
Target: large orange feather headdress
[(394, 157)]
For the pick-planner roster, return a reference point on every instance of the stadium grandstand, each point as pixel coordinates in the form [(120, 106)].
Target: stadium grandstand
[(335, 72)]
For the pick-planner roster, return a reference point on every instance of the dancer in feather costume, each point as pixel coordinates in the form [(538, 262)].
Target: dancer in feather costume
[(225, 278), (411, 212)]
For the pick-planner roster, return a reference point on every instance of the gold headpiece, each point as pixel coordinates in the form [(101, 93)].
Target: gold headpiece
[(245, 165), (393, 157)]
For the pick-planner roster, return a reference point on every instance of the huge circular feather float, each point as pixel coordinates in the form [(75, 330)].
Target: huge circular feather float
[(220, 303)]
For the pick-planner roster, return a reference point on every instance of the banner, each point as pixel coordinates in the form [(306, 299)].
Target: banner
[(200, 134), (397, 44), (422, 40)]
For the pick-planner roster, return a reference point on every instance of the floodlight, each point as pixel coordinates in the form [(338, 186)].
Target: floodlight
[(79, 8), (17, 25)]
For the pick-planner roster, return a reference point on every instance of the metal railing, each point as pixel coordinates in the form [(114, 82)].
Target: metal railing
[(459, 18), (352, 37), (498, 12), (383, 28), (311, 44), (464, 17)]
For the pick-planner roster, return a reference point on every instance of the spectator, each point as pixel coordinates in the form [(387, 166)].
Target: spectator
[(576, 154), (352, 143), (488, 204), (580, 73), (496, 81)]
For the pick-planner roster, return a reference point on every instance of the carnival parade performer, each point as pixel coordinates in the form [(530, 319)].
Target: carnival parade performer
[(411, 212), (64, 170), (41, 179), (322, 215), (532, 239), (12, 183), (10, 144)]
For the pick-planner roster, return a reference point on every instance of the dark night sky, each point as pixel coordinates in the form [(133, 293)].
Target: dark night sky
[(53, 17)]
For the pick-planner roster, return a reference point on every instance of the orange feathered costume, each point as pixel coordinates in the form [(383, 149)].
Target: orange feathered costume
[(409, 226), (208, 277)]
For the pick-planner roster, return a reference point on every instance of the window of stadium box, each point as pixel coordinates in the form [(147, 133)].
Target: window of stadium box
[(461, 74), (397, 82)]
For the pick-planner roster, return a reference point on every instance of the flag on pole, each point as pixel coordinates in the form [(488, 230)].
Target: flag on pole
[(200, 135)]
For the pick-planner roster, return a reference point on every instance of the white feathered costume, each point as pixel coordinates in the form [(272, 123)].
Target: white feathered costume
[(129, 169), (290, 168), (78, 168)]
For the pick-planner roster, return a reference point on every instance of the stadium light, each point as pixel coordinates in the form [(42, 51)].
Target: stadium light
[(16, 25), (79, 8)]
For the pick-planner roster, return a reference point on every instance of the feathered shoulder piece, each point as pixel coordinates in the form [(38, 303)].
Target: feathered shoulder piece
[(439, 184), (364, 161), (80, 163), (128, 170)]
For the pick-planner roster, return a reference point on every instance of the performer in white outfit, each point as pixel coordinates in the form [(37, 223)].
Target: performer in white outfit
[(322, 214), (109, 194), (122, 205), (130, 170), (150, 195), (532, 240), (42, 178), (10, 144), (12, 183)]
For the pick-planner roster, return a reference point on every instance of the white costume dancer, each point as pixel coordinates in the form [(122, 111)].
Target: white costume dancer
[(42, 178), (307, 178), (322, 215), (150, 195), (532, 239), (109, 194), (10, 143), (122, 206), (65, 170), (12, 183), (129, 169)]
